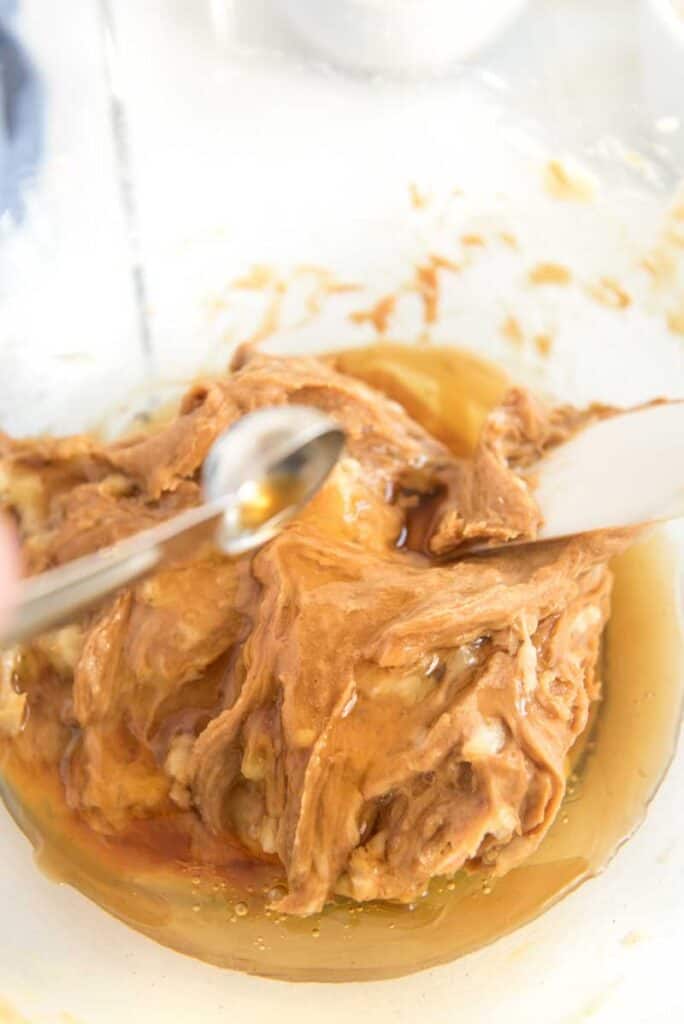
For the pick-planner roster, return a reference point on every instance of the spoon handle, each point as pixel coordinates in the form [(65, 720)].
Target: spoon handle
[(56, 596), (258, 474)]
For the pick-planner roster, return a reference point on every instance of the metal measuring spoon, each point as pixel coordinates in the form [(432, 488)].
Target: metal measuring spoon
[(258, 475)]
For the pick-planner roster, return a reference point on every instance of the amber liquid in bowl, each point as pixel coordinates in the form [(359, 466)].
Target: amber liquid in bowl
[(614, 773)]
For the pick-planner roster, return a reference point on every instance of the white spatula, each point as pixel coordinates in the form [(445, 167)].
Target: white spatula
[(618, 472)]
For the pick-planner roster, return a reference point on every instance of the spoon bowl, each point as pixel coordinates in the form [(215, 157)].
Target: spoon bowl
[(271, 462)]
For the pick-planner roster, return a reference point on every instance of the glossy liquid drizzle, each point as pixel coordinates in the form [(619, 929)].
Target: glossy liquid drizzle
[(262, 501), (614, 774)]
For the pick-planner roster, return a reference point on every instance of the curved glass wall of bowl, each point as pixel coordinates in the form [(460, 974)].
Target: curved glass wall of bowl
[(248, 148), (242, 145)]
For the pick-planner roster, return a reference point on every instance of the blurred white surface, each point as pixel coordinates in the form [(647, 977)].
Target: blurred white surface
[(662, 48), (399, 36), (67, 326), (243, 152)]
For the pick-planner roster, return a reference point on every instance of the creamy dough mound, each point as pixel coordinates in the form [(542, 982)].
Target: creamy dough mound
[(344, 700)]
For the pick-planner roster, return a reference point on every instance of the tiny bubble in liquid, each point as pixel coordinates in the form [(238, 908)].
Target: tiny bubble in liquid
[(241, 909), (451, 886), (564, 819), (196, 908), (316, 932), (486, 888)]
